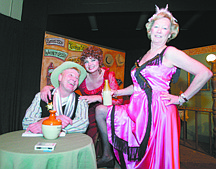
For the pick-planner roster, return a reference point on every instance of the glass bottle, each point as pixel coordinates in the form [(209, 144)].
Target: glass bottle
[(107, 98), (49, 72)]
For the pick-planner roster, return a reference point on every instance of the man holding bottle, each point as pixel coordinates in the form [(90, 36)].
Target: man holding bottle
[(70, 110)]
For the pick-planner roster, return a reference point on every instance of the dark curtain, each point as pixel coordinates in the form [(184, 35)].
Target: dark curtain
[(130, 59), (21, 46), (11, 33)]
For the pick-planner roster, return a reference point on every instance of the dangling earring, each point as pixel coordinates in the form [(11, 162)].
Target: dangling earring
[(99, 70)]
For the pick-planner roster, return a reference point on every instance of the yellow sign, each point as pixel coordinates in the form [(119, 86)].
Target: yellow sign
[(74, 46)]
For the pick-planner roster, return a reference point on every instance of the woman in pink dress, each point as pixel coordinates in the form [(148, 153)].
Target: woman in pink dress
[(145, 133)]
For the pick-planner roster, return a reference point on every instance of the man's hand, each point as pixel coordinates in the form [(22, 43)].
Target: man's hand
[(65, 120), (35, 127), (45, 93)]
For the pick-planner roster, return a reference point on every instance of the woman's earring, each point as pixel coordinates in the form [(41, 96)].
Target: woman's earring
[(99, 70)]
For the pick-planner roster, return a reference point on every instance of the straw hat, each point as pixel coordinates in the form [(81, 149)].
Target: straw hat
[(64, 66), (108, 60), (119, 60)]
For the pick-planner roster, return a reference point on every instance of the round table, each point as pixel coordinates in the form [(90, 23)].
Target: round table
[(74, 151)]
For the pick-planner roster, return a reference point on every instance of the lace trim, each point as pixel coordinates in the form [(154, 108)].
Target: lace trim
[(122, 145)]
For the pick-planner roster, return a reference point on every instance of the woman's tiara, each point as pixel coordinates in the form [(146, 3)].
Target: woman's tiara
[(164, 10)]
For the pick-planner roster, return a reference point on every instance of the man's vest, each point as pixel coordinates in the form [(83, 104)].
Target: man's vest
[(45, 112)]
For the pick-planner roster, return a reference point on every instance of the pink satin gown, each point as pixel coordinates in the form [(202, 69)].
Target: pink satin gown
[(127, 125)]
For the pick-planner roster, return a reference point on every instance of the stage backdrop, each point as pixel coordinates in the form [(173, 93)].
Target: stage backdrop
[(59, 48)]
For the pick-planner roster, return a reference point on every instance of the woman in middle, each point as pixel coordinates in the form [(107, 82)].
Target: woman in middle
[(91, 89)]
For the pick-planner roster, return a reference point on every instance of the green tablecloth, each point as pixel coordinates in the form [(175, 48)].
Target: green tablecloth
[(74, 151)]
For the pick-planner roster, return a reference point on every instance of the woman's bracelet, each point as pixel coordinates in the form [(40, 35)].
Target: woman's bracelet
[(182, 99), (116, 94), (183, 96)]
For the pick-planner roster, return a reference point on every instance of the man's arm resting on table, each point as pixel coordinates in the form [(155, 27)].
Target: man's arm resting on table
[(33, 113)]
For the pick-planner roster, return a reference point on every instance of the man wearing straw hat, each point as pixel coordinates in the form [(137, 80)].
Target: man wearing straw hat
[(72, 112)]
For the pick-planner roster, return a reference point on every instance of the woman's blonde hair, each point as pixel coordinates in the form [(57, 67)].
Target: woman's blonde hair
[(163, 13)]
